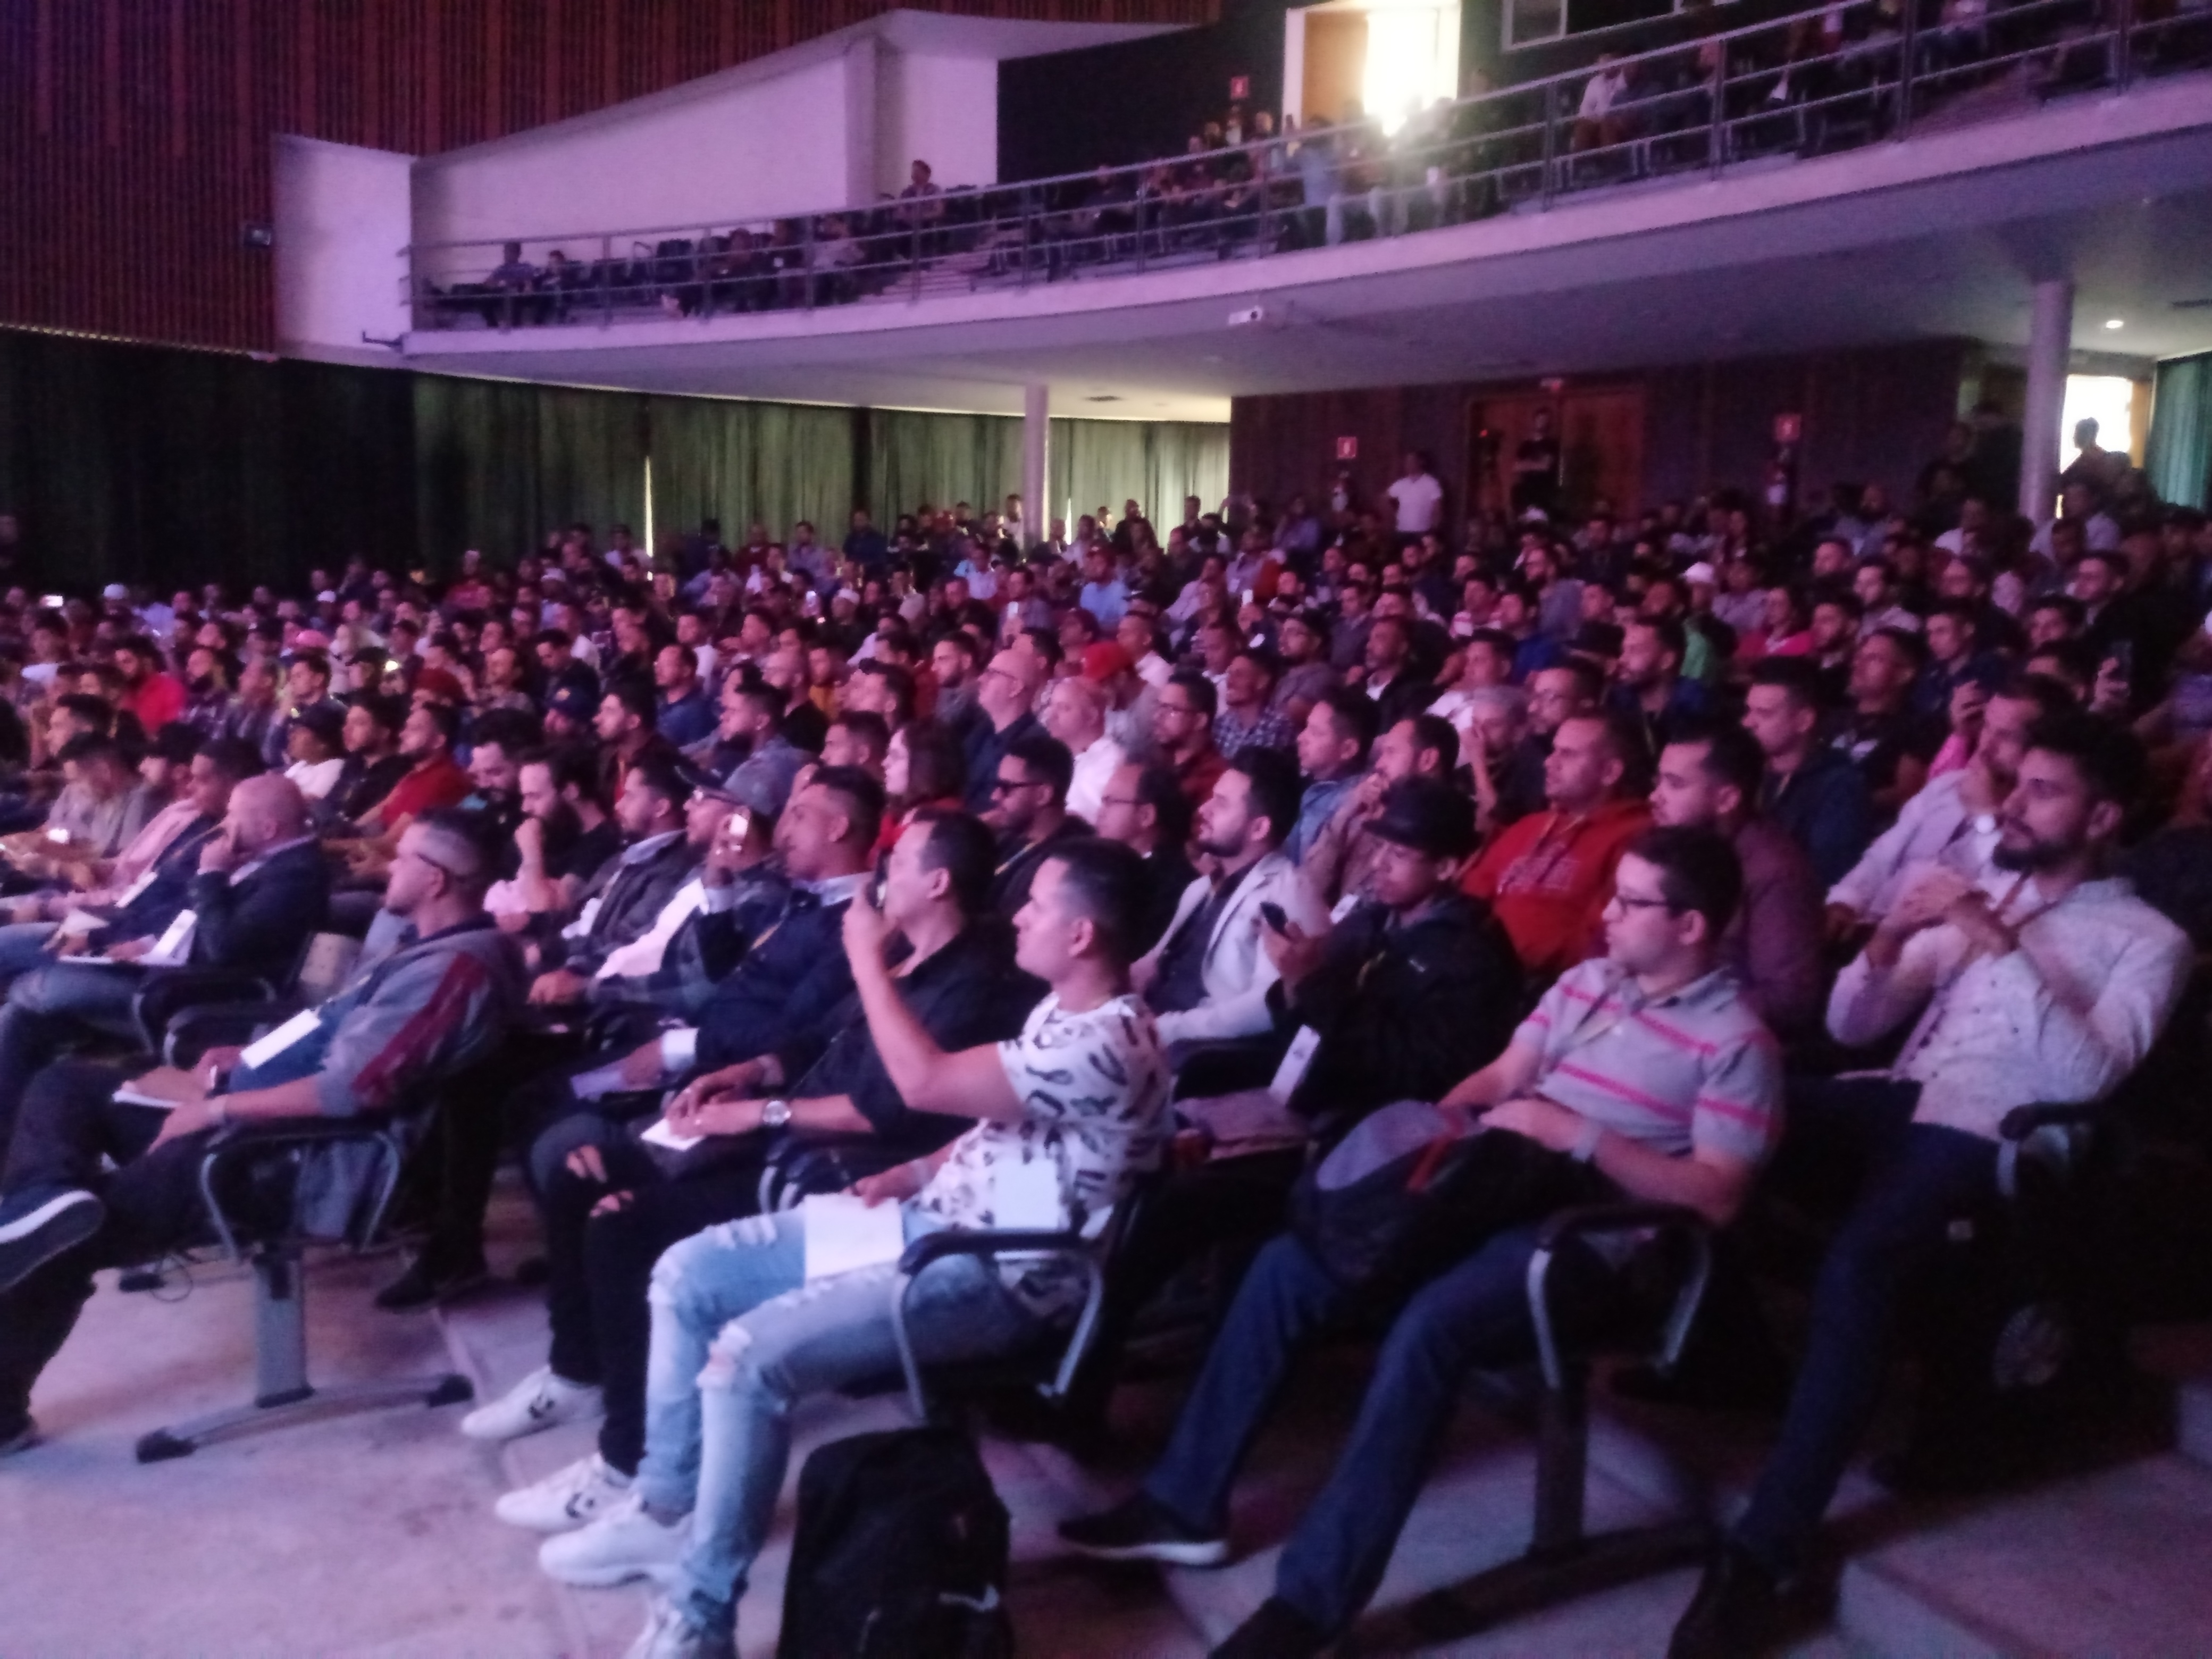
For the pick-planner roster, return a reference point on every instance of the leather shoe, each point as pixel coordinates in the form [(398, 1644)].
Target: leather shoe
[(1734, 1614)]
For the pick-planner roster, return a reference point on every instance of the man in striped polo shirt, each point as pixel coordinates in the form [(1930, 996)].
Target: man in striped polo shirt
[(1642, 1074)]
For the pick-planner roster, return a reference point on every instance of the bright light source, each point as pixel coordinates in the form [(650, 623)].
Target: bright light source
[(2116, 322), (2107, 399), (1413, 59)]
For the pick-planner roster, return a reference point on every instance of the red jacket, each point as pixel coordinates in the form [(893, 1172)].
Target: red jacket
[(1548, 877)]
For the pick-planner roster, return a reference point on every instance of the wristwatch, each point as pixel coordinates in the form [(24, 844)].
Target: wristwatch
[(776, 1114)]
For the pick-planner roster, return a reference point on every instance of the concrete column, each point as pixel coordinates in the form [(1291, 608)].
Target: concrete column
[(1036, 461), (2050, 349)]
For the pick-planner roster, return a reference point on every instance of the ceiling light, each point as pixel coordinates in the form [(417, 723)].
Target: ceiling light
[(2115, 322)]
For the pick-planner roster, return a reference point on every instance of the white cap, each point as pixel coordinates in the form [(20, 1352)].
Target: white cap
[(1701, 572), (115, 590), (326, 597)]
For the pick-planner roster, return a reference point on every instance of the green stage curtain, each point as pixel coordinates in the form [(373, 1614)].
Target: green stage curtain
[(1098, 464), (916, 459), (2179, 461)]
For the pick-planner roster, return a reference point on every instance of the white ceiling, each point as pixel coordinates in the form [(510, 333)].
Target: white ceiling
[(1937, 238)]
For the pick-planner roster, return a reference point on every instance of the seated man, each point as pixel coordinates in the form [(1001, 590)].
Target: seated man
[(1029, 813), (2045, 981), (623, 900), (612, 1205), (1079, 1098), (1415, 989), (437, 1001), (1952, 823), (260, 888), (1339, 862), (1549, 875), (1207, 979), (1641, 1074)]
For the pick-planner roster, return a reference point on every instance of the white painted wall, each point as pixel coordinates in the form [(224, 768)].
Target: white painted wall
[(940, 109), (342, 215), (775, 145)]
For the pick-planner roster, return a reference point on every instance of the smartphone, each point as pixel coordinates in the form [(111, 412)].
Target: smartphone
[(881, 883), (738, 826), (1272, 913)]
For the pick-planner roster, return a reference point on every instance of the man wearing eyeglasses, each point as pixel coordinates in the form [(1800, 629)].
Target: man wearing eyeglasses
[(1642, 1074), (1182, 725), (440, 998), (1007, 694)]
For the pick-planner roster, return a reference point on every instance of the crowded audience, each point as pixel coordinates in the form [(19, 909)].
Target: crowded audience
[(977, 847)]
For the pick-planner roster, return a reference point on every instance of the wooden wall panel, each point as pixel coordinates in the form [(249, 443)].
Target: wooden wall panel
[(135, 134), (1875, 414)]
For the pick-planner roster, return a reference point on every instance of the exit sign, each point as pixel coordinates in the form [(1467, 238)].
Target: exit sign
[(1347, 449), (1240, 89), (1788, 429)]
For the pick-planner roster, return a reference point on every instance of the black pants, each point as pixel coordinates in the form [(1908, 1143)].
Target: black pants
[(600, 1266), (69, 1121), (1237, 1202)]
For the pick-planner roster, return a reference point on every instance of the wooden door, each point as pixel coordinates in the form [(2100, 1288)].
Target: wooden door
[(1496, 425), (1602, 445), (1336, 64)]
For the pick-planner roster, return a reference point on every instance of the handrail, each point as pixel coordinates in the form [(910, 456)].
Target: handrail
[(1455, 160)]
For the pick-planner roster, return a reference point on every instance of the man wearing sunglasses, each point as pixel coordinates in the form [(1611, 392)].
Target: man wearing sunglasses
[(1029, 814)]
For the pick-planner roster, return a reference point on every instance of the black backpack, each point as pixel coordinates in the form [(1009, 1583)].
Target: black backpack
[(899, 1553)]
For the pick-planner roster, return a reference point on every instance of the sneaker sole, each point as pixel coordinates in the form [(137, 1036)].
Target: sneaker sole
[(500, 1433), (662, 1573), (547, 1525), (56, 1225), (1207, 1553)]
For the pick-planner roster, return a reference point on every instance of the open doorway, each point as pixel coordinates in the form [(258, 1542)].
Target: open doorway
[(1388, 57)]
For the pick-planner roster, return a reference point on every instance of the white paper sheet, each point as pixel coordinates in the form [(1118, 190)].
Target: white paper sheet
[(843, 1234), (262, 1050)]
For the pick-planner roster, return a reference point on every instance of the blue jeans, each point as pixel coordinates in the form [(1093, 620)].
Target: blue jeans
[(23, 946), (1916, 1177), (739, 1337), (48, 1007), (1474, 1316)]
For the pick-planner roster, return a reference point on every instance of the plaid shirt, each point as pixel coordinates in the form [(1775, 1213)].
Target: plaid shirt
[(1268, 729)]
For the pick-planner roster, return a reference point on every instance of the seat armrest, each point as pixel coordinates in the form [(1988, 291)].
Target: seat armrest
[(1596, 1221), (935, 1247), (1588, 1221), (988, 1244), (2018, 1127), (237, 1143), (2022, 1121)]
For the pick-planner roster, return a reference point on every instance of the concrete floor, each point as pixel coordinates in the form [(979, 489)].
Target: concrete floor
[(372, 1534)]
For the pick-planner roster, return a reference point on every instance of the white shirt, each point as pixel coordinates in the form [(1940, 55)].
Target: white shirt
[(1600, 91), (1419, 499), (1934, 830), (1990, 1036), (316, 778), (1086, 792), (644, 954)]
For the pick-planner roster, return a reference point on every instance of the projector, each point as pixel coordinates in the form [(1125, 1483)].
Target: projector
[(1251, 317)]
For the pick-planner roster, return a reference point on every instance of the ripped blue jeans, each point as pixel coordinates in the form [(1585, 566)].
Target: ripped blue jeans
[(739, 1337)]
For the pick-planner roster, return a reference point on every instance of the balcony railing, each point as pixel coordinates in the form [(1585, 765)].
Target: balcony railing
[(1814, 83)]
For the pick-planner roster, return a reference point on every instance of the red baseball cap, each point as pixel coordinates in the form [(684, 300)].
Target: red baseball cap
[(1105, 659)]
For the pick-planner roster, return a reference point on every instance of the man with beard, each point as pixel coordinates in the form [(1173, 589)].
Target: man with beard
[(2046, 979), (566, 835)]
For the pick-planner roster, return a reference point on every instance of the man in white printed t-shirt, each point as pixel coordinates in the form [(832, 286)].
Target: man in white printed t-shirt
[(1418, 498), (1069, 1115)]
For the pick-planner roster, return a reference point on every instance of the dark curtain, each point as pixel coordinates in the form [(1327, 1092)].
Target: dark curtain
[(169, 467), (142, 464)]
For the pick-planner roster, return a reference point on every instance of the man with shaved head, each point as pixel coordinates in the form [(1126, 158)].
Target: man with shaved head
[(259, 888), (1006, 695), (435, 992)]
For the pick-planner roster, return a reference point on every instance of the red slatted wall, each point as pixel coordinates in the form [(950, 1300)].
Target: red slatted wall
[(133, 134)]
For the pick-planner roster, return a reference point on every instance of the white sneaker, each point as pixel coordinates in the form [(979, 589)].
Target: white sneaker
[(540, 1400), (669, 1633), (623, 1543), (566, 1499)]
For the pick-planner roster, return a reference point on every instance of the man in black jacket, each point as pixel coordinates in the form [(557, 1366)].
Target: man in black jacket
[(258, 887), (612, 1204), (626, 897), (1415, 989)]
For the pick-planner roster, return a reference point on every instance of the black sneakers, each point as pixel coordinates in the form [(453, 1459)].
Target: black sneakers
[(38, 1225), (1140, 1529), (1275, 1630), (1736, 1614)]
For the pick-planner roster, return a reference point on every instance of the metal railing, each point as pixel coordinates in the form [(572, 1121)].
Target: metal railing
[(1811, 83)]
